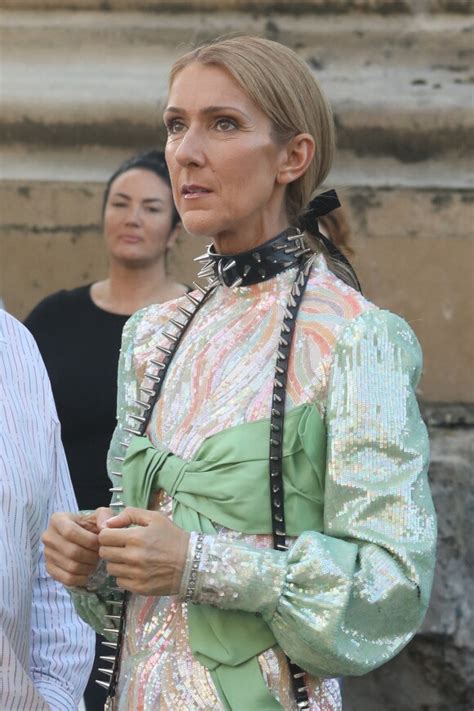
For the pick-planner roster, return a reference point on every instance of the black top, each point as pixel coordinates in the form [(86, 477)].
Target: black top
[(80, 345)]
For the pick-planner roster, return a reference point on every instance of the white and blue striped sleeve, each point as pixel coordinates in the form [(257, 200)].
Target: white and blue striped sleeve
[(46, 651), (61, 643)]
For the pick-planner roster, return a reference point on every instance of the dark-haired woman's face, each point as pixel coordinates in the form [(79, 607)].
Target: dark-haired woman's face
[(138, 217)]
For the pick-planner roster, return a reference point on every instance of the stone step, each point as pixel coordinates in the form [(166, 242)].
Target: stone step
[(320, 7), (402, 87)]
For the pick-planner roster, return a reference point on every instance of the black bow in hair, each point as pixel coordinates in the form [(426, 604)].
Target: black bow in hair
[(308, 222)]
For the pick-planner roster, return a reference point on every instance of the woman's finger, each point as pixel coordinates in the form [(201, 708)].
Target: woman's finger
[(65, 577), (113, 554)]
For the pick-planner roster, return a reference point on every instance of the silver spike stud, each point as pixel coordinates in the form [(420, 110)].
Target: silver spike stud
[(155, 378), (119, 459), (283, 342), (291, 301), (308, 265), (278, 383), (292, 238), (257, 257), (116, 603), (133, 432), (206, 273), (229, 265), (164, 350), (147, 391), (106, 671), (281, 356), (111, 645), (145, 405), (247, 268), (119, 474), (285, 328), (236, 283), (202, 258), (103, 684), (184, 311), (288, 314), (199, 288), (296, 290), (158, 364), (178, 324), (108, 659), (279, 370), (138, 418), (276, 398), (116, 489), (171, 336), (111, 630), (300, 253), (113, 617), (124, 444), (116, 505), (192, 299)]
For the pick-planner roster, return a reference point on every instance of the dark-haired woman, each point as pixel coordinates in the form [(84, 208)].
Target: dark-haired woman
[(273, 525), (79, 331)]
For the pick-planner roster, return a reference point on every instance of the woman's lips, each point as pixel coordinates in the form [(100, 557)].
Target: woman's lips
[(130, 239), (192, 192)]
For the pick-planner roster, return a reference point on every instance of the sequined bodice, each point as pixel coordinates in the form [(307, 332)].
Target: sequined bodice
[(220, 377)]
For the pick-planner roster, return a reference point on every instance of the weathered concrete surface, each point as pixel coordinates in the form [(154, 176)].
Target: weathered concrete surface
[(413, 252), (402, 86), (382, 7), (436, 671)]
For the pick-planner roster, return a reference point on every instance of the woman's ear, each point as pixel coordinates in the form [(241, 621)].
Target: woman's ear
[(299, 153)]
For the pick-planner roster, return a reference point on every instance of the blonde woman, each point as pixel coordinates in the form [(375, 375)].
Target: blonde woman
[(271, 523)]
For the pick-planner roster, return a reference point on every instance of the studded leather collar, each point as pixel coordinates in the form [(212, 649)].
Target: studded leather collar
[(264, 262)]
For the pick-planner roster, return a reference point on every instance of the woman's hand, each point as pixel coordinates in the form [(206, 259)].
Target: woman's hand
[(71, 545), (149, 557)]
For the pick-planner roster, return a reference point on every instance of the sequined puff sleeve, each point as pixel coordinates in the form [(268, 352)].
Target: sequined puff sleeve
[(90, 602), (346, 600)]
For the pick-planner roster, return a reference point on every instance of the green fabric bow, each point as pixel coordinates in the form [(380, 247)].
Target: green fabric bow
[(227, 483)]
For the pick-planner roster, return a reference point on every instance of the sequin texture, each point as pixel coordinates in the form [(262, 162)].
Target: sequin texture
[(344, 599)]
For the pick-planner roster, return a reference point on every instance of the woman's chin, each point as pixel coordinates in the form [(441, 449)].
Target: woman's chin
[(199, 224)]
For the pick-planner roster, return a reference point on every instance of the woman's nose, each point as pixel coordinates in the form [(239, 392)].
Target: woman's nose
[(133, 215), (190, 150)]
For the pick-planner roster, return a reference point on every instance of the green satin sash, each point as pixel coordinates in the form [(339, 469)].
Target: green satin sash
[(227, 483)]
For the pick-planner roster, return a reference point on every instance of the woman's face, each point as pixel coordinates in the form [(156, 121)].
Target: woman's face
[(137, 218), (223, 160)]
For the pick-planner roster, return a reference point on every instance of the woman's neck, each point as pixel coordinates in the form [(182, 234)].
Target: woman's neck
[(126, 290)]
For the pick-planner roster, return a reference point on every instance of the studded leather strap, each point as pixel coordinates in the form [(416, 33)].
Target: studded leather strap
[(275, 457), (277, 421)]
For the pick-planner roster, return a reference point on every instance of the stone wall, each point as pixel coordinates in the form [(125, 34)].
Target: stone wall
[(83, 83)]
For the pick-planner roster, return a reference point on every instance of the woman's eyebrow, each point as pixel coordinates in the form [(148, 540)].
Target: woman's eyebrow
[(127, 197), (207, 110)]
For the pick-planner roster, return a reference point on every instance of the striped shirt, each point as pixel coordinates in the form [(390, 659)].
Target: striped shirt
[(46, 651)]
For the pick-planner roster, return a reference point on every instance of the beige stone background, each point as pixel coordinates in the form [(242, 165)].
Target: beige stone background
[(82, 85)]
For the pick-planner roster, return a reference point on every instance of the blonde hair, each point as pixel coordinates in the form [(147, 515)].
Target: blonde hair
[(282, 86)]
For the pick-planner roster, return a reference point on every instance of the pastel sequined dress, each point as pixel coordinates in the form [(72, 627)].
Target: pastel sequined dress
[(347, 595)]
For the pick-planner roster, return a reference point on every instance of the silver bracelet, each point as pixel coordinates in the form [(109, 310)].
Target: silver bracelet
[(191, 587)]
